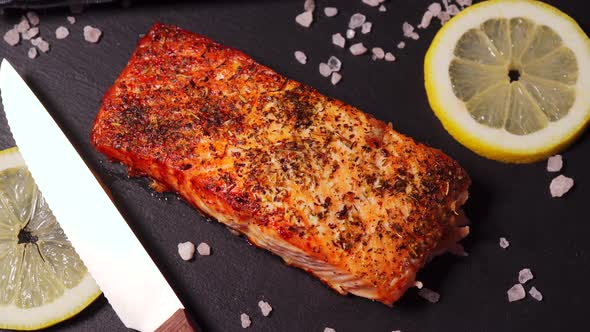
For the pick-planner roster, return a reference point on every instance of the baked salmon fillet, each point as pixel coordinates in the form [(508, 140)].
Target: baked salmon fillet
[(328, 188)]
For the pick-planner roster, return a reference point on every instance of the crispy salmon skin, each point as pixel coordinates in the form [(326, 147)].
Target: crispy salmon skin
[(325, 186)]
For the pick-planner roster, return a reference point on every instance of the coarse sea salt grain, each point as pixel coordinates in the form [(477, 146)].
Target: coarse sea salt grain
[(245, 320), (330, 11), (389, 57), (329, 329), (429, 295), (418, 284), (366, 27), (516, 293), (555, 163), (338, 40), (382, 8), (358, 49), (453, 10), (71, 19), (401, 45), (32, 53), (409, 32), (186, 250), (335, 79), (535, 294), (204, 249), (42, 45), (300, 57), (372, 3), (560, 186), (464, 3), (444, 17), (350, 33), (12, 37), (62, 32), (504, 243), (31, 33), (23, 25), (356, 20), (378, 53), (33, 18), (304, 19), (435, 8), (525, 275), (265, 308), (426, 19), (325, 69), (92, 34), (334, 63), (309, 5)]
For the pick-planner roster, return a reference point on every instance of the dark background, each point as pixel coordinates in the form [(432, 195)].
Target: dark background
[(548, 235)]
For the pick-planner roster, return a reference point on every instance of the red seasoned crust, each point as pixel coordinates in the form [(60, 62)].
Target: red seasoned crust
[(327, 187)]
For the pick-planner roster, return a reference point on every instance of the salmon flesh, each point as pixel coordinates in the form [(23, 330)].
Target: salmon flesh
[(328, 188)]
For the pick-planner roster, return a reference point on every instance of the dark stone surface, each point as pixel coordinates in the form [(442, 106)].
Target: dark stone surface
[(548, 235)]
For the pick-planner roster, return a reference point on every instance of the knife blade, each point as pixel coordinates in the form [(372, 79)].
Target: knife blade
[(133, 285)]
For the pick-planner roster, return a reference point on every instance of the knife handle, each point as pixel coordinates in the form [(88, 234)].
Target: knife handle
[(179, 322)]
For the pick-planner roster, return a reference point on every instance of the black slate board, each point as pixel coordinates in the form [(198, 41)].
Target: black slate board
[(548, 235)]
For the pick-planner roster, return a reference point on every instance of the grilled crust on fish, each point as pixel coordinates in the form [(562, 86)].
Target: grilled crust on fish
[(325, 186)]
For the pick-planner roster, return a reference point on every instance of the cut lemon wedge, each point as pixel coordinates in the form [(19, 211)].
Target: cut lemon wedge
[(42, 279), (509, 79)]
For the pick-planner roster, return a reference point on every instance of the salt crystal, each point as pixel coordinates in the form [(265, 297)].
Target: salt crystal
[(560, 185), (516, 293), (245, 320), (325, 69), (31, 33), (300, 57), (35, 41), (186, 250), (12, 37), (418, 284), (304, 19), (358, 49), (334, 63), (382, 8), (335, 79), (350, 33), (23, 25), (42, 45), (372, 3), (504, 243), (309, 5), (435, 8), (378, 53), (401, 45), (265, 308), (409, 32), (464, 3), (389, 57), (555, 163), (61, 32), (446, 4), (444, 17), (426, 19), (356, 20), (331, 11), (92, 34), (525, 275), (535, 294), (338, 39), (71, 19), (366, 27), (32, 53), (203, 249), (429, 295), (453, 10), (33, 18), (329, 329)]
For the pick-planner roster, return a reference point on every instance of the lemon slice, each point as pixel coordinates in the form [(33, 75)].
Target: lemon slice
[(509, 79), (42, 279)]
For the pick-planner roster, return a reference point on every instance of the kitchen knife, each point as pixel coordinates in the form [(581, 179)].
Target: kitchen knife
[(126, 274)]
